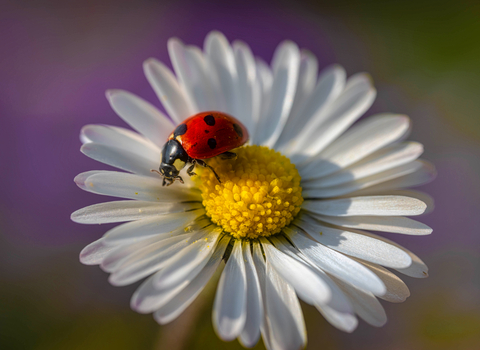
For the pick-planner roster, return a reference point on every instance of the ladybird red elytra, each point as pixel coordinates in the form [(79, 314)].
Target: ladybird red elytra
[(202, 136)]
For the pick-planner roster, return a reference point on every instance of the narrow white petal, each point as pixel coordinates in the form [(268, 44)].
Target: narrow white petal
[(417, 269), (368, 205), (196, 255), (397, 290), (184, 298), (190, 67), (147, 298), (229, 310), (121, 138), (261, 269), (133, 186), (306, 282), (336, 263), (366, 305), (141, 115), (95, 252), (361, 140), (251, 332), (262, 92), (122, 251), (150, 296), (307, 79), (394, 224), (121, 159), (338, 300), (152, 258), (221, 63), (355, 99), (387, 158), (169, 92), (354, 244), (164, 225), (120, 211), (285, 66), (331, 83), (345, 321), (422, 176), (245, 63), (312, 191), (285, 319)]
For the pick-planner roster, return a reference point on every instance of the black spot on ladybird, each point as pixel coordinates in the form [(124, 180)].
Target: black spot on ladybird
[(206, 131), (180, 130), (212, 143), (209, 119), (238, 130)]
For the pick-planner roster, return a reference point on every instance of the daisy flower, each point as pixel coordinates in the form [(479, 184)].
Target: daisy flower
[(293, 214)]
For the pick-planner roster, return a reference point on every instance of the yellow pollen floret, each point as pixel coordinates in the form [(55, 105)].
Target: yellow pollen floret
[(260, 192)]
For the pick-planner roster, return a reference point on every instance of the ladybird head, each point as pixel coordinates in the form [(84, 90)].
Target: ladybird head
[(174, 159)]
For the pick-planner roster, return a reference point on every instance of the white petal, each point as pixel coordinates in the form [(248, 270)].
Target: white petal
[(285, 319), (338, 300), (133, 186), (95, 252), (221, 63), (147, 298), (417, 269), (169, 92), (183, 299), (261, 269), (353, 244), (366, 305), (262, 89), (152, 258), (121, 159), (355, 99), (308, 284), (229, 310), (368, 205), (335, 263), (387, 158), (245, 63), (424, 175), (121, 138), (394, 224), (307, 78), (196, 255), (285, 66), (361, 140), (119, 211), (345, 321), (311, 190), (141, 115), (251, 332), (190, 68), (151, 296), (164, 225), (397, 290)]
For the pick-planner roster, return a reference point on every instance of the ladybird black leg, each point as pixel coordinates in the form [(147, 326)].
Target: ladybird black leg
[(202, 163), (228, 155), (190, 169), (179, 178)]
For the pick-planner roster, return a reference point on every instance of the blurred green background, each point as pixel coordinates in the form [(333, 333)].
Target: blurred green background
[(57, 58)]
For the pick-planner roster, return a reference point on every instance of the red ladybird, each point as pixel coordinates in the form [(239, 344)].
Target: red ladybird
[(202, 136)]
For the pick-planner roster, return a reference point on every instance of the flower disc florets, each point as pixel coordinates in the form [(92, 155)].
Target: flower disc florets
[(260, 192)]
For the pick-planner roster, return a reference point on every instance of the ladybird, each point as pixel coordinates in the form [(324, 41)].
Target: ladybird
[(202, 136)]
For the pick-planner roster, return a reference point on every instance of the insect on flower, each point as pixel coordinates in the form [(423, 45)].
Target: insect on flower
[(202, 136)]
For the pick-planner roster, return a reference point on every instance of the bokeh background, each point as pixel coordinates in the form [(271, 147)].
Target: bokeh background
[(58, 57)]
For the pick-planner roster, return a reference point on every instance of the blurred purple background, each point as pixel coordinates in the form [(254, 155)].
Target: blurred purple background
[(58, 58)]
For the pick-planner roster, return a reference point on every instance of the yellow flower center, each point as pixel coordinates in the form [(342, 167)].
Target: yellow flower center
[(260, 192)]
